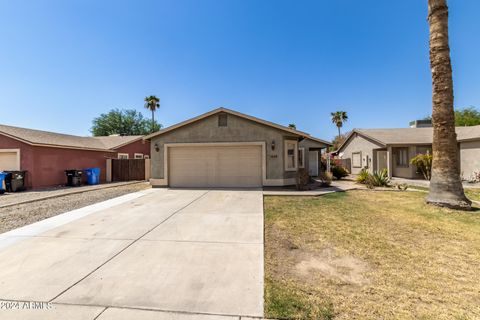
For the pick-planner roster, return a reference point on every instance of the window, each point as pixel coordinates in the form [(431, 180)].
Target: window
[(402, 157), (357, 159), (301, 157), (123, 156), (222, 120), (291, 155), (424, 150), (138, 156)]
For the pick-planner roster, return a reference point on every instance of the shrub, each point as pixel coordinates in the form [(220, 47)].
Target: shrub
[(362, 176), (339, 172), (303, 179), (325, 178), (378, 179), (423, 162)]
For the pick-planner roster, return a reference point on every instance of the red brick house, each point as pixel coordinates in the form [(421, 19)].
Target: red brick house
[(46, 155)]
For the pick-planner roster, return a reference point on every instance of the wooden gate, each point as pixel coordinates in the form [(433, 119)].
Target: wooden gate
[(128, 169)]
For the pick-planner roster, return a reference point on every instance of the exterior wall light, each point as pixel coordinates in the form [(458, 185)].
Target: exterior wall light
[(157, 148), (273, 145)]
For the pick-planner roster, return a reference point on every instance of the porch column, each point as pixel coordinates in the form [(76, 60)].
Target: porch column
[(389, 161)]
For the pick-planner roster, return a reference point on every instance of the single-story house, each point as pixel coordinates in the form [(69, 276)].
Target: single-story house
[(392, 149), (46, 155), (225, 148)]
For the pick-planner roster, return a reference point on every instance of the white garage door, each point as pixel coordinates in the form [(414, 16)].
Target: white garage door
[(8, 160), (221, 167)]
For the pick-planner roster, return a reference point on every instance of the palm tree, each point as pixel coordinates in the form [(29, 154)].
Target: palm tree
[(339, 118), (446, 188), (152, 103)]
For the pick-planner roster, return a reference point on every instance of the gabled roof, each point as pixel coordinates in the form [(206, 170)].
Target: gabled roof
[(410, 136), (238, 114), (60, 140)]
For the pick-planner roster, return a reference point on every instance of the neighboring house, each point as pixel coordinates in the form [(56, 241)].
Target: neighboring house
[(225, 148), (46, 155), (392, 149)]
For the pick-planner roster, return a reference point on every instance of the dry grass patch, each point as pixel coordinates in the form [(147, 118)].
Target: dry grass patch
[(370, 254)]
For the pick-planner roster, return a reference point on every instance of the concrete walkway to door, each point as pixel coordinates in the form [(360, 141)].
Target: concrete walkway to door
[(167, 254)]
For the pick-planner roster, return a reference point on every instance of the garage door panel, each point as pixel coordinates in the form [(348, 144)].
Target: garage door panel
[(215, 166), (9, 161)]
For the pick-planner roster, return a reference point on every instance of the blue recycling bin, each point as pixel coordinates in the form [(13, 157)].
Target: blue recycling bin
[(93, 175), (2, 181)]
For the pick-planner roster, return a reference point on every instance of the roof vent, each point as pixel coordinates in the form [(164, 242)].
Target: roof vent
[(222, 120)]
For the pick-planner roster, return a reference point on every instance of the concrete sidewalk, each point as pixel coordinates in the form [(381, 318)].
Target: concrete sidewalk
[(168, 254)]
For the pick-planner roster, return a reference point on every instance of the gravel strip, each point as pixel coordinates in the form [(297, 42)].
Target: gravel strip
[(23, 214)]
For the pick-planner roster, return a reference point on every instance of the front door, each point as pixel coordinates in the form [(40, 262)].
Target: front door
[(381, 160), (313, 163)]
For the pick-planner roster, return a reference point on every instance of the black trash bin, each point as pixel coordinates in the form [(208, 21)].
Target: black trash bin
[(15, 180), (74, 177)]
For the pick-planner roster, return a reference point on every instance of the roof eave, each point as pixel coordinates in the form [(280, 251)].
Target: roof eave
[(235, 113)]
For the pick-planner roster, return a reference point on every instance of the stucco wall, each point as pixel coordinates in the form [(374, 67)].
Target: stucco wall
[(140, 146), (237, 130), (49, 164), (470, 158), (358, 143)]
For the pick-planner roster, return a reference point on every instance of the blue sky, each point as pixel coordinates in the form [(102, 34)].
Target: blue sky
[(62, 63)]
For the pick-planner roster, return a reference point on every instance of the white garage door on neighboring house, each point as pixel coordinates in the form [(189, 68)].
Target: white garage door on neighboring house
[(215, 166), (9, 160)]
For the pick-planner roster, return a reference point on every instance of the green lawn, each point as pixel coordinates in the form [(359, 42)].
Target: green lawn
[(370, 254)]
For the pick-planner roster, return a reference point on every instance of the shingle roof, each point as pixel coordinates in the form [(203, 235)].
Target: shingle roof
[(38, 137), (415, 135)]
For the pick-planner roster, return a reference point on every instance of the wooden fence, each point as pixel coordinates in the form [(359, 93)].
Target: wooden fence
[(128, 169)]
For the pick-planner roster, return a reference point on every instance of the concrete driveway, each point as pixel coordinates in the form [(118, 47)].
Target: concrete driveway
[(168, 254)]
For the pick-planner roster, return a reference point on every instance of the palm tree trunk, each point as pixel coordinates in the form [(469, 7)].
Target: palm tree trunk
[(338, 132), (153, 121), (445, 186)]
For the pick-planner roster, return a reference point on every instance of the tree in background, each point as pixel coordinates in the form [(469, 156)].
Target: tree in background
[(338, 140), (292, 126), (339, 118), (446, 188), (122, 122), (152, 103), (467, 117)]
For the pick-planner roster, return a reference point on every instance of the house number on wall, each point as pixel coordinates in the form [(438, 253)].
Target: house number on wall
[(273, 156)]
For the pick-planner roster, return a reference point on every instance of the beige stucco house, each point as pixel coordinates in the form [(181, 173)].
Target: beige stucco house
[(392, 149), (225, 148)]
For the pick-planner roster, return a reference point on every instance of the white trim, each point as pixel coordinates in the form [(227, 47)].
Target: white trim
[(285, 154), (164, 181), (138, 154), (302, 165), (17, 151), (126, 156)]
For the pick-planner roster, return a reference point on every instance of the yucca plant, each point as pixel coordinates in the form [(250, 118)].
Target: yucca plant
[(379, 179)]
